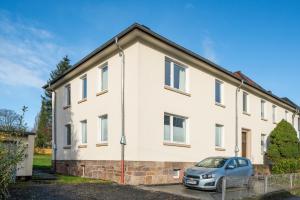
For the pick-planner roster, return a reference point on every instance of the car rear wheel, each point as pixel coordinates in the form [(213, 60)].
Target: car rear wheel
[(219, 185)]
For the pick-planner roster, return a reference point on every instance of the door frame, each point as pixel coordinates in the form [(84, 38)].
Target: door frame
[(248, 142)]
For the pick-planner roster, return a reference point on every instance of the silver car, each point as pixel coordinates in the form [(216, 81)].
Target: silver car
[(208, 174)]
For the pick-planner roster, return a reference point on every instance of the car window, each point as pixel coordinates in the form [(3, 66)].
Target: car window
[(212, 163), (242, 162), (232, 162)]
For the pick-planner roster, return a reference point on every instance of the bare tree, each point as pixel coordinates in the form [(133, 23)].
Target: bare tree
[(12, 148)]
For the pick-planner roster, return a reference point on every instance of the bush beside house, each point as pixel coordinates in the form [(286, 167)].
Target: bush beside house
[(283, 149)]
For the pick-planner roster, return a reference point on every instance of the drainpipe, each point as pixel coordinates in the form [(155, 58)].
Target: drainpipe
[(123, 138), (54, 146), (236, 149)]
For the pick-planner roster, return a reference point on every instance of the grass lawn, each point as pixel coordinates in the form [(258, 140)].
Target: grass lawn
[(41, 161)]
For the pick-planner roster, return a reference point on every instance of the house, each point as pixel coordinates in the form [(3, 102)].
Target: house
[(179, 108), (24, 168)]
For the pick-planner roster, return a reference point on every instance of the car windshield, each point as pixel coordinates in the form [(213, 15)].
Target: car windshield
[(212, 163)]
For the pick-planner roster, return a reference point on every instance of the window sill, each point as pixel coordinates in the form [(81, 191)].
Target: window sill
[(101, 144), (264, 119), (177, 145), (220, 149), (67, 147), (83, 100), (101, 92), (245, 113), (82, 146), (66, 107), (220, 104), (177, 91)]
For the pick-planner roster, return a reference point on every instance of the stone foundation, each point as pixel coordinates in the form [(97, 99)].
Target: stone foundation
[(136, 172)]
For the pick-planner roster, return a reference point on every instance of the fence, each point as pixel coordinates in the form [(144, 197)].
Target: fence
[(235, 187)]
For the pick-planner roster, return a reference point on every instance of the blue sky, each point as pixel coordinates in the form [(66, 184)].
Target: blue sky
[(260, 38)]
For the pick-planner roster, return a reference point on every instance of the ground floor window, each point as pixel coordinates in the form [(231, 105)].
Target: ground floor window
[(68, 134), (174, 128), (83, 131), (263, 144), (103, 134), (219, 136)]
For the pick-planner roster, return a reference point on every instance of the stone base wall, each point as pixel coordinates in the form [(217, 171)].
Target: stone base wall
[(261, 170), (136, 172)]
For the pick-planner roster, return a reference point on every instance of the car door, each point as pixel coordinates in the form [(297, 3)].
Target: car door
[(231, 173)]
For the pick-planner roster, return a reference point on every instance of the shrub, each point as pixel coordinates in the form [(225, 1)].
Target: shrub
[(283, 143), (286, 166)]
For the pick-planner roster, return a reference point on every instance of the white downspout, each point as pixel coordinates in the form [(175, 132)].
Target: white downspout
[(236, 149)]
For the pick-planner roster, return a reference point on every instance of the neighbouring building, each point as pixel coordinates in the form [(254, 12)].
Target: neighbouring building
[(179, 109)]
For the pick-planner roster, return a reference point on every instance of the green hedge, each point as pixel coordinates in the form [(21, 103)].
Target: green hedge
[(284, 166)]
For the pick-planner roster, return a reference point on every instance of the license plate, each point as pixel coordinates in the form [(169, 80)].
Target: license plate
[(191, 182)]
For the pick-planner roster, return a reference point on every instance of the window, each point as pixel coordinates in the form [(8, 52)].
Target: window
[(274, 113), (175, 75), (245, 102), (84, 87), (242, 162), (67, 95), (219, 135), (219, 92), (103, 135), (174, 129), (83, 131), (263, 145), (263, 114), (232, 163), (286, 115), (68, 134), (104, 78)]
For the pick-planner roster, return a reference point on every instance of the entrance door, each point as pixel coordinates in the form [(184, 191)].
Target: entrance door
[(244, 144)]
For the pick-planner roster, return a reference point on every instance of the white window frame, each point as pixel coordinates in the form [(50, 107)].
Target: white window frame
[(172, 131), (66, 135), (81, 131), (222, 135), (82, 87), (263, 112), (99, 79), (274, 114), (100, 134), (186, 69), (222, 102), (247, 102), (263, 143), (67, 95)]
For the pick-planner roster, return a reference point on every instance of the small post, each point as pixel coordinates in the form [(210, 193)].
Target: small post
[(224, 188), (291, 181), (266, 184)]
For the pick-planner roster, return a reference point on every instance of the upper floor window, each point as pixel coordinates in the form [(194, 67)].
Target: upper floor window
[(103, 132), (68, 134), (263, 109), (219, 92), (68, 95), (274, 114), (103, 78), (219, 132), (84, 87), (83, 131), (286, 115), (175, 75), (245, 102), (174, 129)]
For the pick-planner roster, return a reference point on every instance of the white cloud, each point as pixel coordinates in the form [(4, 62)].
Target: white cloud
[(27, 52), (208, 47)]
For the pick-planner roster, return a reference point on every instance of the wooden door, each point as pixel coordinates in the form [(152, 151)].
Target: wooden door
[(244, 144)]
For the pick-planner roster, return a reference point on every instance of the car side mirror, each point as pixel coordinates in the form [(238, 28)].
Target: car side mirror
[(230, 167)]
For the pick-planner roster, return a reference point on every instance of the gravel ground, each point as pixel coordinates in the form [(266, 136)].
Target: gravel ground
[(32, 190)]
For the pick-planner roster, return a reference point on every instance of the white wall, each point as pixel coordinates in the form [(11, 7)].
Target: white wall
[(146, 100)]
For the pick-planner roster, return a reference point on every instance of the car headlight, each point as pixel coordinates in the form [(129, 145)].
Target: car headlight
[(208, 176)]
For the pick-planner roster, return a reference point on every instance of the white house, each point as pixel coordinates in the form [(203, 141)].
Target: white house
[(179, 108)]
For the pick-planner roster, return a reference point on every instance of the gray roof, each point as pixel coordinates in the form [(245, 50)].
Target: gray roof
[(148, 31)]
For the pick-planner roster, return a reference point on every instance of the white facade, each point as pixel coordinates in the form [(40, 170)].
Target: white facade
[(148, 99)]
